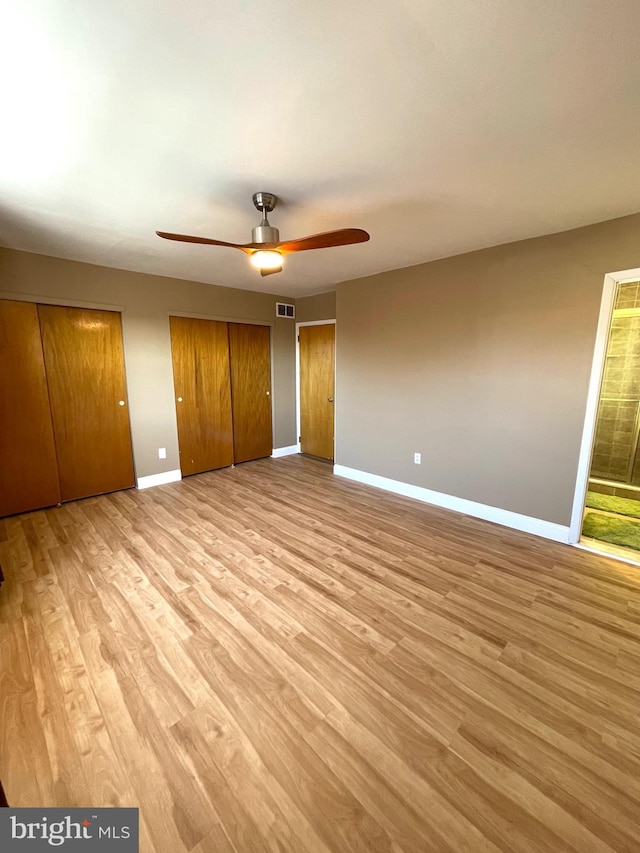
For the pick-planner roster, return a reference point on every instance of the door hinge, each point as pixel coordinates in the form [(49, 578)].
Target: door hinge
[(299, 438)]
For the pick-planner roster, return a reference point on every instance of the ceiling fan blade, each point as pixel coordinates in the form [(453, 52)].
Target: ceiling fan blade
[(186, 238), (270, 272), (326, 240)]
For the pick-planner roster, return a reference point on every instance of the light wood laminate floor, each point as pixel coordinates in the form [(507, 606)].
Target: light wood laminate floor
[(270, 658)]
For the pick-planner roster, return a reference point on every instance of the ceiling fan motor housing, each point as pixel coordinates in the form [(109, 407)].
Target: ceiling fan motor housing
[(265, 233)]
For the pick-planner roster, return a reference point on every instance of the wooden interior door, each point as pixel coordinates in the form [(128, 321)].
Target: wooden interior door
[(84, 361), (317, 388), (200, 353), (28, 467), (249, 350)]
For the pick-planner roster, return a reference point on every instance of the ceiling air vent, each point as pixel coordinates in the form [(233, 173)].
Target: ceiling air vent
[(283, 309)]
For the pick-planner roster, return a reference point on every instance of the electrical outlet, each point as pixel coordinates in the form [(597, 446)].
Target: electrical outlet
[(417, 458), (162, 453)]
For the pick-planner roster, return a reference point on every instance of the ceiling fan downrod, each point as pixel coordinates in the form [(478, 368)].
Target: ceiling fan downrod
[(265, 233)]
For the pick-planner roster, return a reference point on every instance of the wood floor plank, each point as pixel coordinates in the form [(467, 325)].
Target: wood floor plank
[(29, 767), (270, 658), (578, 791), (390, 791)]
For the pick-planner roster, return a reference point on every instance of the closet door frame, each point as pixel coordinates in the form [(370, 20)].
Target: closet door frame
[(298, 419), (38, 299)]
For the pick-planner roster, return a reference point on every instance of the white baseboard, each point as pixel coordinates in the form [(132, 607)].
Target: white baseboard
[(525, 523), (159, 479), (285, 451)]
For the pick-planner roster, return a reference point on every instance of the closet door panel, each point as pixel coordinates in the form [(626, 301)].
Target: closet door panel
[(28, 468), (85, 370), (249, 348), (200, 354)]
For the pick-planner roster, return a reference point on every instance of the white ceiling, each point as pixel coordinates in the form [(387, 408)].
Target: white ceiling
[(440, 126)]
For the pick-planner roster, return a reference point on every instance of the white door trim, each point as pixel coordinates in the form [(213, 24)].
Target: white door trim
[(611, 281), (309, 323)]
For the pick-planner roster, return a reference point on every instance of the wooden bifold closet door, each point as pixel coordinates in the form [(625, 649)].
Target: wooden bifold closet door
[(201, 375), (222, 379), (87, 390), (249, 348), (28, 467), (64, 424)]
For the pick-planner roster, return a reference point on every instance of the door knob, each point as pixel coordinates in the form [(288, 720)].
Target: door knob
[(121, 403), (268, 393), (179, 399), (330, 399)]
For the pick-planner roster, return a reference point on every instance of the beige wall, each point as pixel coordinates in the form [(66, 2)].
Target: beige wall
[(481, 362), (146, 302), (320, 307)]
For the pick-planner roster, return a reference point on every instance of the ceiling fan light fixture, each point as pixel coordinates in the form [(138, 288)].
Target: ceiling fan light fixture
[(266, 249), (266, 259)]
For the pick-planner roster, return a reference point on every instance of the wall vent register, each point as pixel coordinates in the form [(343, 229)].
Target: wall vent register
[(283, 309)]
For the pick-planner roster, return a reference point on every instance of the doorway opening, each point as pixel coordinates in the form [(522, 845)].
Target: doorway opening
[(609, 518)]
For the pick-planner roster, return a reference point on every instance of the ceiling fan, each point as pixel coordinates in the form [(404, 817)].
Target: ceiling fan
[(266, 251)]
